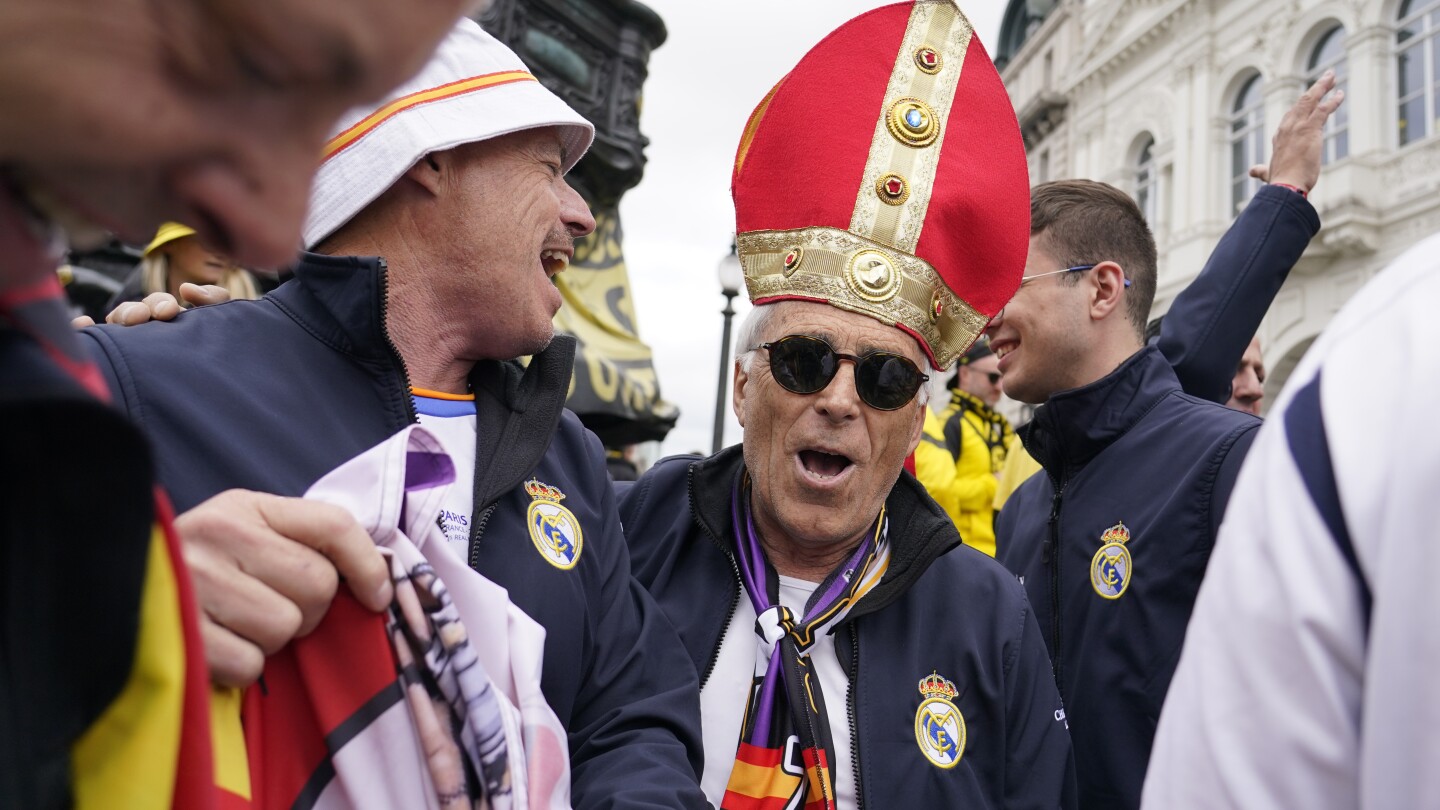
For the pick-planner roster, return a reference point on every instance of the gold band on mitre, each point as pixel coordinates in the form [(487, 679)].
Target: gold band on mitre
[(864, 276)]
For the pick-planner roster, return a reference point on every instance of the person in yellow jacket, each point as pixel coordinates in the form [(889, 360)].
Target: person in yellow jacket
[(964, 446)]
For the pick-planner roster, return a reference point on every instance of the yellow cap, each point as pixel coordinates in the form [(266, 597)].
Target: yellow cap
[(167, 233)]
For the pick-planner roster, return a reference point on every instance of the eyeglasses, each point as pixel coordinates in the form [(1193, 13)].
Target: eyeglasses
[(994, 377), (1079, 268), (806, 365)]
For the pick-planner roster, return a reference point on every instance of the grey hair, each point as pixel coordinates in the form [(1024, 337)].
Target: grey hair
[(750, 335)]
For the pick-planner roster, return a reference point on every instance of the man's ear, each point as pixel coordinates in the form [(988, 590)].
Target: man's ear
[(426, 173), (737, 394), (1107, 290)]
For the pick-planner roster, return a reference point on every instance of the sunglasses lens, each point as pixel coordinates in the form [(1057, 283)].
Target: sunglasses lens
[(802, 364), (994, 377), (887, 381)]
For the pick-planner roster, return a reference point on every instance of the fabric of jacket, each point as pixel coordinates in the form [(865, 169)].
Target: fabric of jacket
[(959, 455), (1130, 448), (316, 381), (941, 608)]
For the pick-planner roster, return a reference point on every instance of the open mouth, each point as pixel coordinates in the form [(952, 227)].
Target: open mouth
[(824, 466), (554, 261)]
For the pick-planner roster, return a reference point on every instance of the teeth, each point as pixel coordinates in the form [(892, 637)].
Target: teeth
[(559, 258)]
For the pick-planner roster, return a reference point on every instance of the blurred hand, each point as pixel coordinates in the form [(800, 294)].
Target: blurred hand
[(265, 569), (1296, 149), (163, 306)]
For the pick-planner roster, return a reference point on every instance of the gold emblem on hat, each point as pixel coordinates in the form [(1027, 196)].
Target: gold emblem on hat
[(892, 188), (928, 60), (792, 261), (912, 122), (872, 277)]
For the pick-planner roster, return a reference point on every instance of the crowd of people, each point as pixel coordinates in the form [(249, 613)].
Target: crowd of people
[(411, 581)]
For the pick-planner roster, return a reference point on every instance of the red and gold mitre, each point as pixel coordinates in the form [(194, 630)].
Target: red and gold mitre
[(886, 175)]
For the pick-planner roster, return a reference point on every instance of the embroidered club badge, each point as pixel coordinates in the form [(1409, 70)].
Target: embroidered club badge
[(553, 528), (939, 726), (1110, 569)]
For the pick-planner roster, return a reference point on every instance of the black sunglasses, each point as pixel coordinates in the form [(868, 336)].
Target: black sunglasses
[(805, 365)]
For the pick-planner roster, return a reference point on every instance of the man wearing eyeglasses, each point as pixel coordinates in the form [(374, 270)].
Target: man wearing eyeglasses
[(963, 448), (852, 653), (1112, 541)]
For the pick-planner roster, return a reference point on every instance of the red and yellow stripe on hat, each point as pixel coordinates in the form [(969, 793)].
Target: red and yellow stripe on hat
[(367, 124), (886, 175)]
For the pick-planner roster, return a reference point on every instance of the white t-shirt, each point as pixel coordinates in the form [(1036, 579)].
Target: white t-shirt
[(451, 417), (724, 695)]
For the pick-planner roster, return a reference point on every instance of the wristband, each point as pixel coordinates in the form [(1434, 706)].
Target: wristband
[(1295, 189)]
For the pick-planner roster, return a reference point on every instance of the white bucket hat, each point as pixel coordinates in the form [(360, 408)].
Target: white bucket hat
[(473, 89)]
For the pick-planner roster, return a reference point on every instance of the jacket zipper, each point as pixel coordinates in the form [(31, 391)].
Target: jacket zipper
[(850, 711), (390, 344), (1051, 557), (475, 535), (734, 569)]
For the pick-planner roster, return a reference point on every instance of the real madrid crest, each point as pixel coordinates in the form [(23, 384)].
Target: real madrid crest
[(553, 528), (939, 726), (1110, 569)]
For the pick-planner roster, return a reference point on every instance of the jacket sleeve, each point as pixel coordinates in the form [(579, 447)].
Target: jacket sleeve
[(1039, 765), (1212, 321), (635, 733), (107, 357)]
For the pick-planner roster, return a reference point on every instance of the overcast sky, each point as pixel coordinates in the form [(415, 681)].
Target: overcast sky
[(719, 61)]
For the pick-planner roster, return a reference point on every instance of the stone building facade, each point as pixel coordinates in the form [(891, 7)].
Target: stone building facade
[(1172, 100)]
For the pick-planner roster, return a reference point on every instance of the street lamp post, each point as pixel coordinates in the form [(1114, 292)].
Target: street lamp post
[(730, 279)]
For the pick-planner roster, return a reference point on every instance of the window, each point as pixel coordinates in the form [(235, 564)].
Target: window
[(1247, 140), (1147, 183), (1329, 54), (1417, 68), (1042, 166)]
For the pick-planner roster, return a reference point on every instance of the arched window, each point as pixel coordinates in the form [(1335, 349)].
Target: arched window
[(1417, 66), (1247, 140), (1329, 54), (1147, 185)]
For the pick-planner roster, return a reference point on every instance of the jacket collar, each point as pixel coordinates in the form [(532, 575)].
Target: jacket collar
[(341, 300), (1072, 427), (920, 531), (967, 401)]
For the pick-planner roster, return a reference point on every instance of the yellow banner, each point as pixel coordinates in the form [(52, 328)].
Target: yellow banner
[(614, 389)]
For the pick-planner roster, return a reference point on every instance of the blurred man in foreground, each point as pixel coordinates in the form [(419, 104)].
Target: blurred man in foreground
[(207, 111)]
